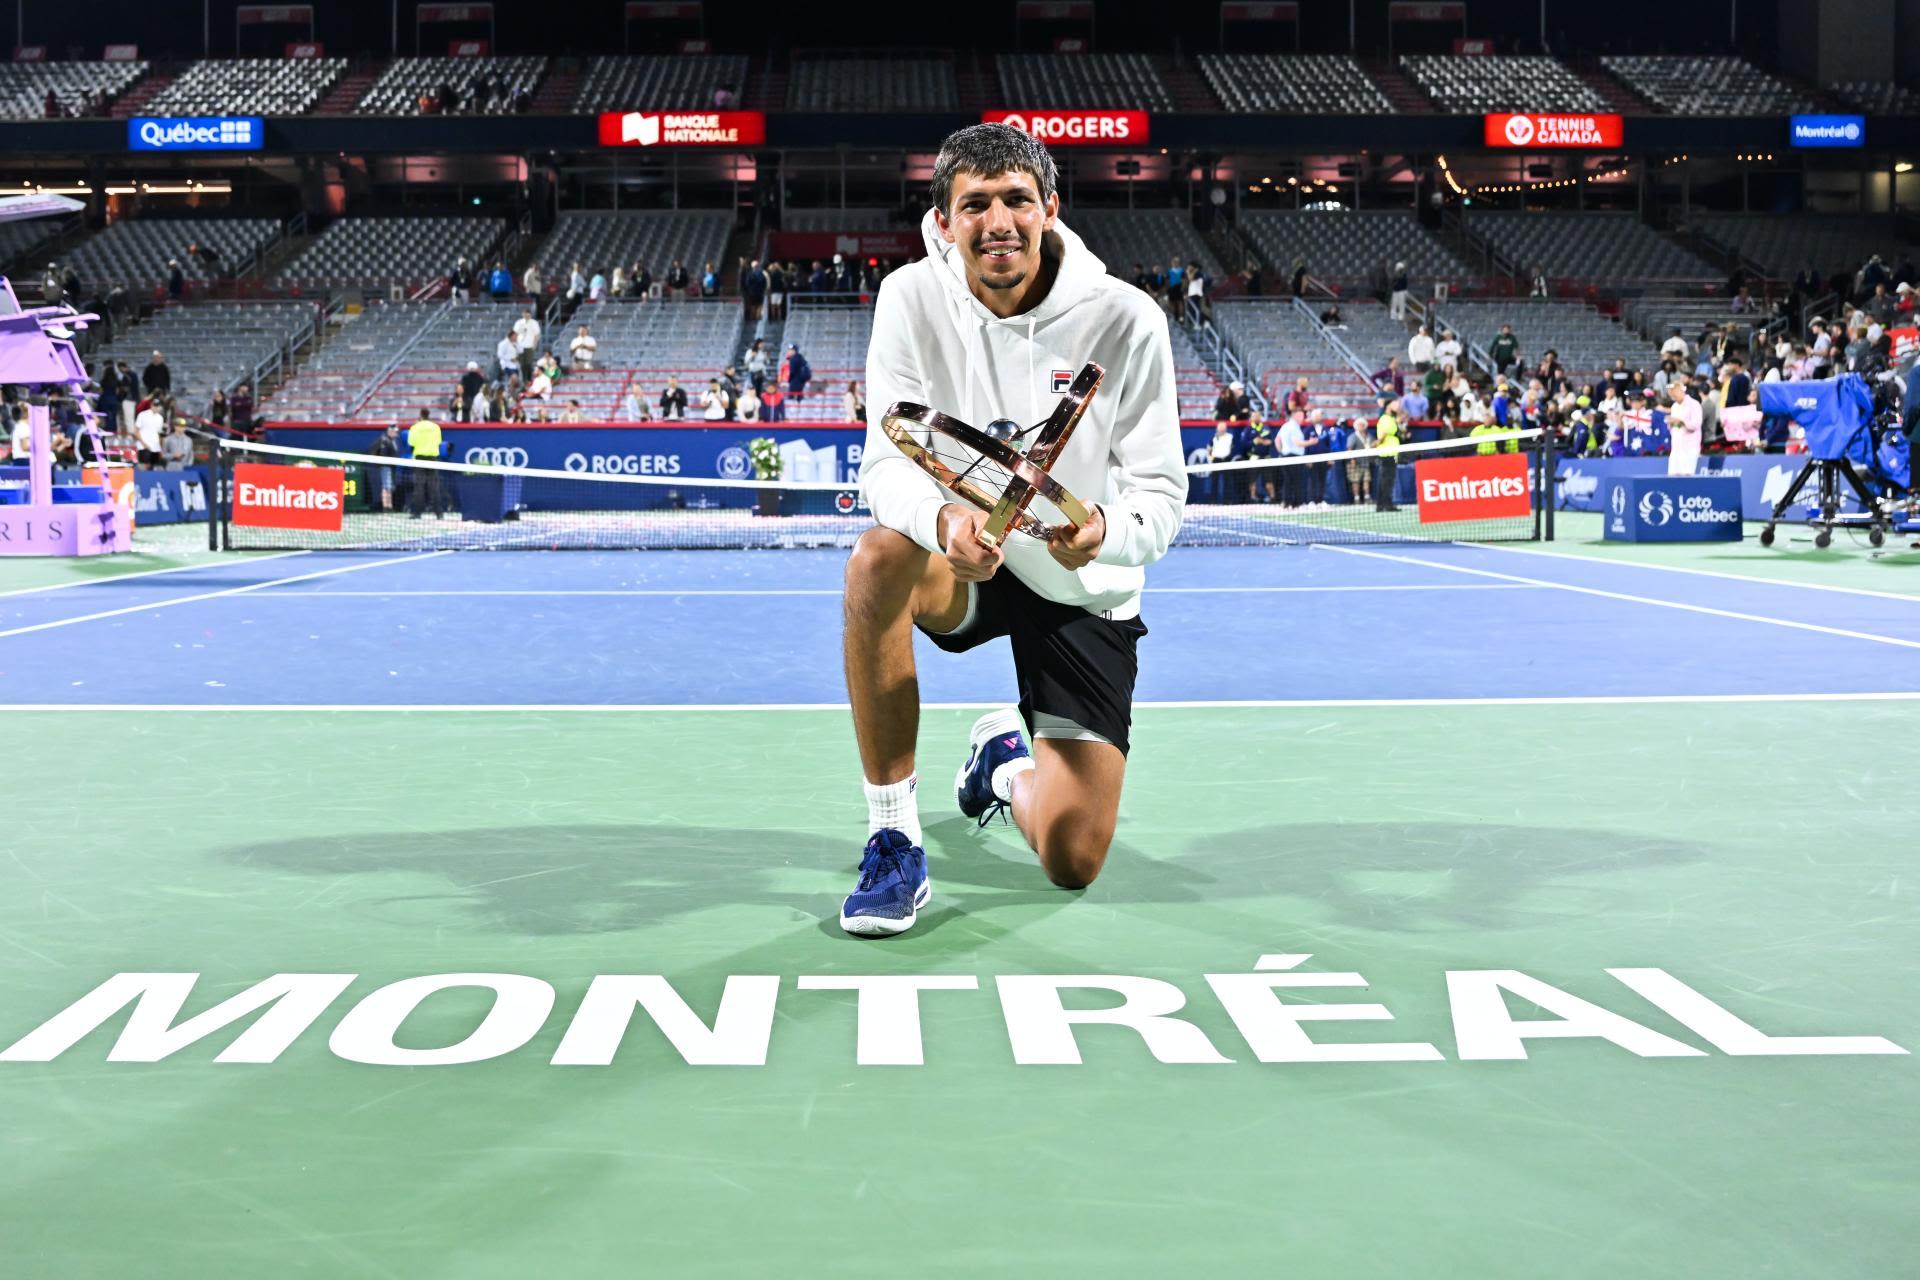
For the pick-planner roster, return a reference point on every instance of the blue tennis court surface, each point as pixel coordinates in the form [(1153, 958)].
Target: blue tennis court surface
[(512, 628)]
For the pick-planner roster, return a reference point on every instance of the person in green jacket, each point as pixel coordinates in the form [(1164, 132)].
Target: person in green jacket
[(1504, 350)]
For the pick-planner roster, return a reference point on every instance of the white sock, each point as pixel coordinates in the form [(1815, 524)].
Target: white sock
[(1003, 776), (894, 805)]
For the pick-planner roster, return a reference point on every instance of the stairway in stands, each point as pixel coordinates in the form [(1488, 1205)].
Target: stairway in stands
[(145, 89), (1187, 85), (1614, 91), (978, 83), (1402, 93), (556, 93), (766, 88), (349, 89)]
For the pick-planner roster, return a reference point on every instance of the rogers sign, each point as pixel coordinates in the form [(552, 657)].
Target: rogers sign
[(1075, 128), (1535, 130)]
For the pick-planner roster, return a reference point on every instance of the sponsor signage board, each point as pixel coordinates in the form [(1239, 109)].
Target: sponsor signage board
[(1536, 130), (1076, 128), (196, 133), (1673, 509), (1483, 487), (682, 128), (271, 496), (1827, 131)]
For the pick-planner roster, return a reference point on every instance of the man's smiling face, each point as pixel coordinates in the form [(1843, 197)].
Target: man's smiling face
[(996, 222)]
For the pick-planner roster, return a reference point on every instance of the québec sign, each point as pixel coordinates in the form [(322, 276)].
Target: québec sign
[(1076, 128), (269, 496), (682, 128), (196, 133), (1535, 130)]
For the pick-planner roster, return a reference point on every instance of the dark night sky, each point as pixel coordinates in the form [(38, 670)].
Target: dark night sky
[(163, 27)]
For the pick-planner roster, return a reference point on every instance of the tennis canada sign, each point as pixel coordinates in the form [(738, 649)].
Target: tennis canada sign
[(1075, 128), (1040, 1018), (271, 496), (1478, 488), (1532, 129)]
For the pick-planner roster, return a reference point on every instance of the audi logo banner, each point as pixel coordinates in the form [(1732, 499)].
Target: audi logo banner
[(498, 456)]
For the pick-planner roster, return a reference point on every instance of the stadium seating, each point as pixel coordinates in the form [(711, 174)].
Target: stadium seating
[(1124, 81), (690, 339), (1122, 237), (20, 243), (1786, 245), (834, 341), (873, 84), (249, 86), (135, 251), (216, 344), (1292, 84), (1878, 97), (1195, 386), (1586, 341), (398, 90), (836, 219), (1588, 246), (657, 83), (608, 240), (1370, 332), (326, 386), (404, 250), (24, 85), (1707, 86), (1278, 343), (1470, 85), (1347, 247)]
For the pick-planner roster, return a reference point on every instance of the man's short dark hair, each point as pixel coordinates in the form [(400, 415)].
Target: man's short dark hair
[(991, 150)]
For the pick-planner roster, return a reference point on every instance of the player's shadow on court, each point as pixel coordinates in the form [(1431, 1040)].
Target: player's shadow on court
[(1441, 876), (543, 881)]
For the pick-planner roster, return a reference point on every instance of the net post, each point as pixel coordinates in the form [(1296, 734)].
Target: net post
[(213, 494), (1549, 468)]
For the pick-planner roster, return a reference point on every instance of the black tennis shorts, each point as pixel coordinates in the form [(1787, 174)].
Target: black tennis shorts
[(1070, 663)]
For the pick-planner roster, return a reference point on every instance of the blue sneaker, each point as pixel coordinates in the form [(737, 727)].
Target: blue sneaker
[(893, 886), (997, 737)]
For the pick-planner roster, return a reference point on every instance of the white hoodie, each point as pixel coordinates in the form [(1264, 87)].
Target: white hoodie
[(935, 344)]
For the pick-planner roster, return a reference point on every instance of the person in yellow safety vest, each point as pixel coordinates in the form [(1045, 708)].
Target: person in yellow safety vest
[(423, 441), (1485, 429), (1387, 431)]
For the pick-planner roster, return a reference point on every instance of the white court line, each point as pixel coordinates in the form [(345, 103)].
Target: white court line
[(1204, 704), (836, 591), (214, 595), (1621, 595), (1702, 573), (225, 558)]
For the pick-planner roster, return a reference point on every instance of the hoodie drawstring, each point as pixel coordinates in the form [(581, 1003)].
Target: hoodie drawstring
[(1033, 399)]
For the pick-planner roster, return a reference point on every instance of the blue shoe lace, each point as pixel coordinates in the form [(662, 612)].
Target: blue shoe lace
[(881, 862)]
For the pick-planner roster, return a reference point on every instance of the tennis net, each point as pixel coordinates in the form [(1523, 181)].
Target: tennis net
[(275, 497)]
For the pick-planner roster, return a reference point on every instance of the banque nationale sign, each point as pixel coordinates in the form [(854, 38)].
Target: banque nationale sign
[(265, 1019)]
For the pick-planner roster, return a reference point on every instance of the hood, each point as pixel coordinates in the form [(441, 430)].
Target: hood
[(1079, 270)]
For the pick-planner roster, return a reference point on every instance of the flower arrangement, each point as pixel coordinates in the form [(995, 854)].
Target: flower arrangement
[(764, 455)]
